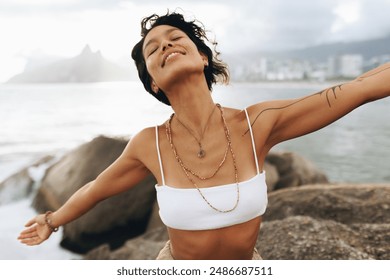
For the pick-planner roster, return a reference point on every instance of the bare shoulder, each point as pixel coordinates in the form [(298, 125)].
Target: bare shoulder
[(146, 134), (256, 113), (262, 108), (263, 114), (140, 144)]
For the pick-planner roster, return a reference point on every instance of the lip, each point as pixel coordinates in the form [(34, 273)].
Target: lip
[(166, 56)]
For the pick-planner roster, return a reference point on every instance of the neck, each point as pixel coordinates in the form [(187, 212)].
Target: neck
[(193, 106)]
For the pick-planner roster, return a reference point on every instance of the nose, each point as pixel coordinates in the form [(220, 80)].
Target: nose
[(166, 44)]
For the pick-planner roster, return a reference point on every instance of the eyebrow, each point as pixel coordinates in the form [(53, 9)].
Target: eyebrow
[(154, 39)]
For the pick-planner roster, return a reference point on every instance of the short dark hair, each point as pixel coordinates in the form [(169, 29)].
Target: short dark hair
[(216, 71)]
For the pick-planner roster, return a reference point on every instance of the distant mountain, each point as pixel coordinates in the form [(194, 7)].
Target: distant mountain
[(368, 49), (87, 67), (320, 53)]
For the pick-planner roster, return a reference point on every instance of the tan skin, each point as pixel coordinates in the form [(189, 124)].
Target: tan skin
[(181, 78)]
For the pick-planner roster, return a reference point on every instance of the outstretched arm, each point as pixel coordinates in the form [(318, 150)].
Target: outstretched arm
[(123, 174), (288, 119)]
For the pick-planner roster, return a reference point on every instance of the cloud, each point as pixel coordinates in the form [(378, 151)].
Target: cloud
[(372, 21), (63, 27), (280, 24), (39, 7)]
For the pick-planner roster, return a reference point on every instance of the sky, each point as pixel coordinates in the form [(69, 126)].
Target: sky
[(35, 30)]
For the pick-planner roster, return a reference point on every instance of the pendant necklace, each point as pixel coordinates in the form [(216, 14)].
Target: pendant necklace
[(201, 153)]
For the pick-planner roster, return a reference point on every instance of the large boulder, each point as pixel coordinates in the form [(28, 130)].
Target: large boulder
[(344, 203), (113, 220), (327, 222), (145, 247), (306, 238), (294, 170)]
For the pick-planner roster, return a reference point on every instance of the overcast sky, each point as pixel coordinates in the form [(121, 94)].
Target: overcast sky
[(35, 28)]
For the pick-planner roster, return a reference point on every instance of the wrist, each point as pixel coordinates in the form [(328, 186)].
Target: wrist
[(49, 222)]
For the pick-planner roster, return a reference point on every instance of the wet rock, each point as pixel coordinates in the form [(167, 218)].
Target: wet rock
[(21, 184)]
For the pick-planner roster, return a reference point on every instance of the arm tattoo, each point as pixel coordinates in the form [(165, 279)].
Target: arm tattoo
[(325, 92), (330, 90)]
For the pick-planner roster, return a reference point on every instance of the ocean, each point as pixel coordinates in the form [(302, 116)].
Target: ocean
[(51, 119)]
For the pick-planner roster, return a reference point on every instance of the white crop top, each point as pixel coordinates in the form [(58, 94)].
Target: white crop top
[(185, 209)]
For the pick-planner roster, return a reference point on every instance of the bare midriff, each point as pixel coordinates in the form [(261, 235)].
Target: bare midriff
[(235, 242)]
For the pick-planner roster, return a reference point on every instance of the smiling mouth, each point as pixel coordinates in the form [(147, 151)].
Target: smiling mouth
[(169, 57)]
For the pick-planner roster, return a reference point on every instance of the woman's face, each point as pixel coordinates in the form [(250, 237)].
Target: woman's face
[(171, 56)]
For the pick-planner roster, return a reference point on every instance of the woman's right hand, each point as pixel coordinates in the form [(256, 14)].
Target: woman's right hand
[(36, 232)]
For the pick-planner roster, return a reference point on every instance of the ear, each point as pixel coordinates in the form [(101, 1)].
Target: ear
[(154, 87), (205, 59)]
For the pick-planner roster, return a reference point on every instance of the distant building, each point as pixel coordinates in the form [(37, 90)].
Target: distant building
[(376, 61), (345, 66)]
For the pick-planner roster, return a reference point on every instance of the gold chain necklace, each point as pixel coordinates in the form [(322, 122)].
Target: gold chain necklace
[(179, 160), (202, 152), (186, 171)]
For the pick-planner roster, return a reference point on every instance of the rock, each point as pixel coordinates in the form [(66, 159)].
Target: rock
[(376, 239), (305, 238), (271, 175), (21, 184), (113, 220), (145, 247), (16, 187), (294, 170), (343, 203), (327, 222)]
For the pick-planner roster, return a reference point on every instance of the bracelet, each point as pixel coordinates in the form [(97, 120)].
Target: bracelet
[(48, 222)]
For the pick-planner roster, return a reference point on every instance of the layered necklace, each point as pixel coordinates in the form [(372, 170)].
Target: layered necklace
[(188, 172), (202, 152)]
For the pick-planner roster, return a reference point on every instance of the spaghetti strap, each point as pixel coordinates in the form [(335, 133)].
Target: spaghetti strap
[(159, 158), (253, 141)]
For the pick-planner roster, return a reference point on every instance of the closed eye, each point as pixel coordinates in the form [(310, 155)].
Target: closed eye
[(176, 38), (152, 51)]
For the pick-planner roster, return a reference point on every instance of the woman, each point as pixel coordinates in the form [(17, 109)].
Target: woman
[(207, 159)]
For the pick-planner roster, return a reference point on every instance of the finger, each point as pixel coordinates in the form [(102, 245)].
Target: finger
[(26, 241), (32, 241), (29, 234), (30, 223), (23, 237), (29, 230)]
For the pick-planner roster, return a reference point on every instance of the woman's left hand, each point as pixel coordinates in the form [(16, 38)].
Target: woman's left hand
[(37, 231)]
